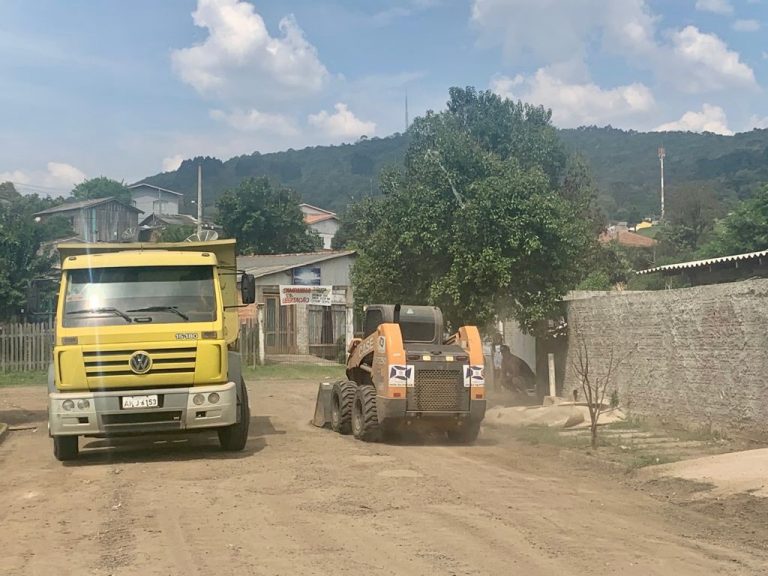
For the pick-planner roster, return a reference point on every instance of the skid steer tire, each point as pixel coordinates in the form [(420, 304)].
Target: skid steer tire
[(342, 398), (234, 438), (464, 434), (365, 421)]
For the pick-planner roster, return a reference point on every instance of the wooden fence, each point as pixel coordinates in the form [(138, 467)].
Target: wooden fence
[(25, 347), (249, 342)]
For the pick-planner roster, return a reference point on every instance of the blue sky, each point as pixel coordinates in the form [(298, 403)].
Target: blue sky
[(127, 89)]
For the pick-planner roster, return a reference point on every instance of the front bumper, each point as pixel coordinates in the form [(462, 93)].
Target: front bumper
[(101, 413)]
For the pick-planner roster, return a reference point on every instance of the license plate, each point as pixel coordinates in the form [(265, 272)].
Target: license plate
[(140, 401)]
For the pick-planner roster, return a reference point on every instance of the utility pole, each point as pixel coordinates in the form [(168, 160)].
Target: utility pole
[(199, 199), (662, 154)]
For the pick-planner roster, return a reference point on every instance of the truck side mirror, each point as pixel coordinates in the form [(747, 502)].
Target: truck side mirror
[(247, 288)]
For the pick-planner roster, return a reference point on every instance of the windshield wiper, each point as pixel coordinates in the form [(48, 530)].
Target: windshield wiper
[(115, 311), (161, 309)]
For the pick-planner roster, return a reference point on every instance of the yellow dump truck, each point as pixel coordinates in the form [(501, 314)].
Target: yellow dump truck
[(145, 337)]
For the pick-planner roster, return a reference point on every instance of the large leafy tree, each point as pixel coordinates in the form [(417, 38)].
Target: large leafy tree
[(265, 219), (102, 187), (480, 223), (21, 258), (744, 230)]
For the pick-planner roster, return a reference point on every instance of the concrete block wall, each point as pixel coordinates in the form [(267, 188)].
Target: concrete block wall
[(695, 356)]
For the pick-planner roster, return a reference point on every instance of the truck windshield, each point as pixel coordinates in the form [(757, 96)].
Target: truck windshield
[(156, 294)]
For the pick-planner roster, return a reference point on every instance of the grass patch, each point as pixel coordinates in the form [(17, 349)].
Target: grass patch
[(642, 460), (295, 372), (551, 436), (23, 379)]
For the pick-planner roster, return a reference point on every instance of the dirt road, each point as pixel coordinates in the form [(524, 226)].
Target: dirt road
[(301, 500)]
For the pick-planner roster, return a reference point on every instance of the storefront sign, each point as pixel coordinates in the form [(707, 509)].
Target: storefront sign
[(314, 295)]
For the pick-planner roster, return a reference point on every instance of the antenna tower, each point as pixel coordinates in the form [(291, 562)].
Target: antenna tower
[(406, 111), (662, 154)]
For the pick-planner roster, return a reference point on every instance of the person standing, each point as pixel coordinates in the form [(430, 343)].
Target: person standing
[(497, 361)]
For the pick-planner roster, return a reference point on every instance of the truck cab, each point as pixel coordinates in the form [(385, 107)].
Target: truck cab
[(144, 343)]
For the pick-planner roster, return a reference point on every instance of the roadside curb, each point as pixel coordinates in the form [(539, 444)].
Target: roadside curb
[(3, 431)]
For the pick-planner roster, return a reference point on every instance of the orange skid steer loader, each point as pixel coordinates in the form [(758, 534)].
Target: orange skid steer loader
[(403, 375)]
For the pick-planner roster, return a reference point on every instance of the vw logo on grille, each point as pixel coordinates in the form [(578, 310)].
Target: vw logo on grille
[(140, 362)]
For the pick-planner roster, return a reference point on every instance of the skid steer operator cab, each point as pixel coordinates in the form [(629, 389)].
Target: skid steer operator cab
[(418, 324)]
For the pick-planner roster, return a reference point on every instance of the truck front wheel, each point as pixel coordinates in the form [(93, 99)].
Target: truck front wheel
[(65, 448), (233, 438)]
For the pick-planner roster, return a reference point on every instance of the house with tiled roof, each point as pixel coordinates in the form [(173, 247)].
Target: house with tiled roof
[(324, 222)]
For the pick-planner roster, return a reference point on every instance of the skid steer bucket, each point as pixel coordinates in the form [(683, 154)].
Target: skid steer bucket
[(322, 417)]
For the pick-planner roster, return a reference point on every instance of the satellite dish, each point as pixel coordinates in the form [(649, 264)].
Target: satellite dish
[(203, 236)]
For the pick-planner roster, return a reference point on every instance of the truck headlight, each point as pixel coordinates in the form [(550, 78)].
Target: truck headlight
[(68, 405), (198, 399), (83, 404), (213, 397)]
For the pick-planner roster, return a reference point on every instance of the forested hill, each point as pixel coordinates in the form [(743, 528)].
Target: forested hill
[(624, 164), (330, 177)]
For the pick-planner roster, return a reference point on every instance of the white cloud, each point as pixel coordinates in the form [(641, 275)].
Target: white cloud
[(252, 120), (239, 60), (342, 124), (626, 26), (57, 178), (577, 104), (172, 163), (758, 122), (704, 63), (15, 176), (403, 10), (687, 59), (716, 6), (710, 119), (62, 174), (746, 25)]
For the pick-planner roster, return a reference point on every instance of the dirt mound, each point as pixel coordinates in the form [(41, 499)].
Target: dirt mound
[(563, 415)]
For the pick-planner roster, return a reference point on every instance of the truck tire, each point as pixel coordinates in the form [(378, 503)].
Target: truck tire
[(233, 438), (342, 398), (365, 421), (65, 448), (466, 434)]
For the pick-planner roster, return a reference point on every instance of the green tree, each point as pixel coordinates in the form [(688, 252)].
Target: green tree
[(693, 208), (479, 223), (743, 230), (102, 187), (8, 192), (176, 233), (265, 219), (21, 257)]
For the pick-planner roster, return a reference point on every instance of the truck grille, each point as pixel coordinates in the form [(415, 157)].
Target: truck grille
[(107, 363), (439, 390)]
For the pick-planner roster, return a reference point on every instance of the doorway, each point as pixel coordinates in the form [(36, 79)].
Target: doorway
[(279, 326)]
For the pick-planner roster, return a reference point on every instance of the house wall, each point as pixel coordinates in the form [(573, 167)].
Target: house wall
[(110, 222), (146, 200), (326, 230), (334, 272), (694, 356)]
